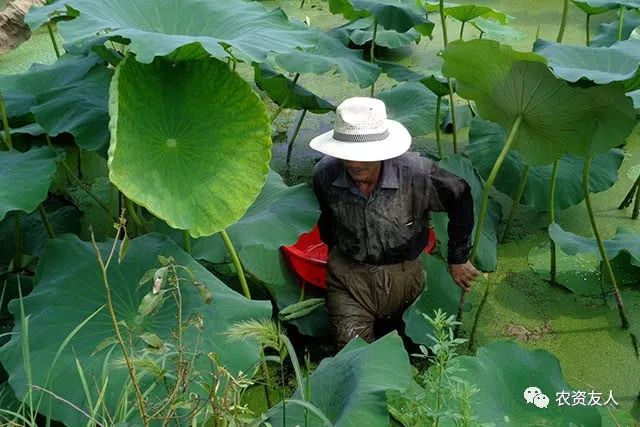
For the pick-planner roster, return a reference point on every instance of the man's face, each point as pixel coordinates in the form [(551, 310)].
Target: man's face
[(362, 171)]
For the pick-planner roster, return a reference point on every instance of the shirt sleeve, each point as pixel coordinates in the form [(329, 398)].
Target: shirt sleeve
[(325, 222), (452, 194)]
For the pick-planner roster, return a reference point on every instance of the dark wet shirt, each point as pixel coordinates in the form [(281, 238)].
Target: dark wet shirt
[(391, 225)]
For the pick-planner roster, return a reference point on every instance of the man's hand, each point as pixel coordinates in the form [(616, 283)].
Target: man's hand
[(463, 275)]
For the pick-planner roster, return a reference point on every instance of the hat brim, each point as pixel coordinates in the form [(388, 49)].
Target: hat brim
[(394, 145)]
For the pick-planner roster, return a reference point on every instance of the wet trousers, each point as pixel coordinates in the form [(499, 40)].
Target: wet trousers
[(361, 296)]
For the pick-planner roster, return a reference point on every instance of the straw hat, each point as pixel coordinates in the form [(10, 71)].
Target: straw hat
[(363, 133)]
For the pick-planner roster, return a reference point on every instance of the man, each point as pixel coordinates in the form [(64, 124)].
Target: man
[(375, 199)]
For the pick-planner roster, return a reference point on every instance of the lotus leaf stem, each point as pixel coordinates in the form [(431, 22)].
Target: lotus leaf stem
[(563, 22), (45, 221), (629, 197), (636, 204), (131, 208), (438, 141), (443, 21), (462, 29), (372, 49), (516, 201), (104, 265), (286, 98), (53, 40), (293, 139), (621, 22), (237, 264), (302, 4), (587, 29), (476, 320), (492, 177), (5, 124), (186, 241), (267, 379), (452, 107), (603, 251), (552, 218)]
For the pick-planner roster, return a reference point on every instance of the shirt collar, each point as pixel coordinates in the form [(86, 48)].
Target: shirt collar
[(389, 178)]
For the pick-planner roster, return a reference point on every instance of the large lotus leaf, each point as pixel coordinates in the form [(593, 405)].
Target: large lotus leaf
[(486, 254), (25, 178), (413, 105), (616, 63), (327, 55), (594, 8), (503, 370), (69, 272), (398, 15), (624, 241), (21, 92), (608, 32), (486, 140), (440, 292), (350, 387), (493, 30), (281, 90), (194, 154), (246, 30), (277, 218), (556, 118)]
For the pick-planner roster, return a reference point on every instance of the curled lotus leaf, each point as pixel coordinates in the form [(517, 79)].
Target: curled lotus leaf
[(619, 62), (223, 28), (556, 118), (190, 141)]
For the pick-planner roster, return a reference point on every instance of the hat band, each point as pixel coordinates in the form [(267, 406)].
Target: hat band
[(370, 137)]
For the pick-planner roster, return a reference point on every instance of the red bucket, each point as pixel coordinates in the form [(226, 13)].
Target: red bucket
[(308, 256)]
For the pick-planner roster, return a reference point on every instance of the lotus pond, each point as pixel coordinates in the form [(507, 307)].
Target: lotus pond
[(153, 166)]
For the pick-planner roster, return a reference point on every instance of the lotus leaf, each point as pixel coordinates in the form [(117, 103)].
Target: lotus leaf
[(279, 88), (329, 54), (25, 178), (68, 96), (555, 118), (579, 273), (440, 292), (413, 105), (350, 387), (601, 65), (503, 370), (386, 38), (196, 155), (493, 30), (595, 8), (486, 139), (624, 241), (608, 32), (21, 92), (397, 15), (467, 12), (69, 271), (486, 255), (230, 28)]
